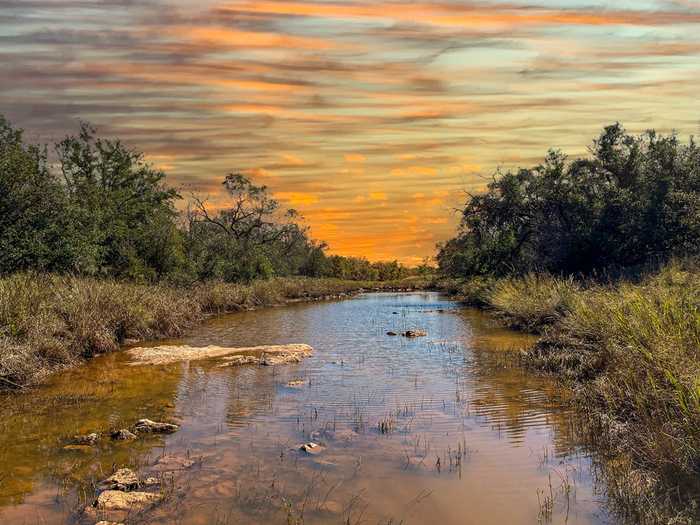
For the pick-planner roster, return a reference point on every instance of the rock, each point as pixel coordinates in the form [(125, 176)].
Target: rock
[(123, 479), (79, 448), (108, 523), (240, 360), (118, 500), (150, 482), (391, 333), (123, 435), (414, 333), (90, 513), (155, 427), (87, 439), (311, 448), (296, 383), (270, 354), (171, 462), (280, 358)]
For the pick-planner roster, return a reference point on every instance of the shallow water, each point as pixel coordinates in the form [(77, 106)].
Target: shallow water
[(467, 436)]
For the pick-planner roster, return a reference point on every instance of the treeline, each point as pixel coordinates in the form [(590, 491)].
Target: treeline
[(96, 208), (635, 200)]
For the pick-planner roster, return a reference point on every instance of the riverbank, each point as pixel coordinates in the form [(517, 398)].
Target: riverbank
[(50, 322), (630, 350)]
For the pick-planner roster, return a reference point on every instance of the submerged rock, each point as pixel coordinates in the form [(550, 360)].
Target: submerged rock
[(118, 500), (240, 360), (171, 462), (155, 427), (332, 507), (123, 435), (296, 383), (79, 448), (341, 435), (264, 355), (87, 439), (123, 479), (414, 333)]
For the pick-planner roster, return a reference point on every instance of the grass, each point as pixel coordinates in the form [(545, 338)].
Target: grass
[(632, 350), (48, 322)]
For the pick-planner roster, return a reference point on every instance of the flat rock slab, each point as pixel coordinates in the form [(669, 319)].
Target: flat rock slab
[(118, 500), (261, 355), (155, 427)]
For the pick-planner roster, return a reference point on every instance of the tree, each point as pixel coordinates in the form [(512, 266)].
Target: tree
[(253, 237), (635, 200), (122, 212), (34, 231)]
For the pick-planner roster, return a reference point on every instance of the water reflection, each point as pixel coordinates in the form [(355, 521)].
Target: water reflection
[(436, 428)]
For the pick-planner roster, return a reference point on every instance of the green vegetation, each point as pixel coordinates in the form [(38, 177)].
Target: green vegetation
[(635, 201), (94, 252), (598, 255), (49, 321), (93, 207)]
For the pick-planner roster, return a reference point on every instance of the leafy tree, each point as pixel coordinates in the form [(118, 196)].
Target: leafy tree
[(253, 237), (34, 231), (635, 200), (121, 209)]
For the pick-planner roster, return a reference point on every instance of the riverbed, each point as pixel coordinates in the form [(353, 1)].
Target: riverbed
[(444, 428)]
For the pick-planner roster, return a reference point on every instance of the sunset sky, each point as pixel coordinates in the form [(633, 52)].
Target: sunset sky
[(370, 118)]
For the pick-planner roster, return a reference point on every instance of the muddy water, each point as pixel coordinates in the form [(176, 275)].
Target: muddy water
[(440, 429)]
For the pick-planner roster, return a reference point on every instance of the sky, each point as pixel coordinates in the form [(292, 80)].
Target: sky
[(374, 120)]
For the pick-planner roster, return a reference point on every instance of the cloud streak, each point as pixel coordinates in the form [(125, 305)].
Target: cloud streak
[(369, 117)]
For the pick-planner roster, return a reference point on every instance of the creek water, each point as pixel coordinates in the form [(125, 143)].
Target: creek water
[(437, 429)]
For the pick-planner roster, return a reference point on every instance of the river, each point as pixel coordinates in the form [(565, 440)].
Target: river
[(438, 429)]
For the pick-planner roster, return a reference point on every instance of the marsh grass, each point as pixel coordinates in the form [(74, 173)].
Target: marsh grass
[(633, 350), (48, 322)]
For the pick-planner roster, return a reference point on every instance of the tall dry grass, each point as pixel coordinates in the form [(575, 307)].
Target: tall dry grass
[(50, 321), (633, 348), (632, 351)]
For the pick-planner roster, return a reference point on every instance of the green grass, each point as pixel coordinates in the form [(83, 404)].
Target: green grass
[(632, 350), (48, 321)]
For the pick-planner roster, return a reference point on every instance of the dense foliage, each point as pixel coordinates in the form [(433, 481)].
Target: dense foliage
[(101, 210), (635, 200)]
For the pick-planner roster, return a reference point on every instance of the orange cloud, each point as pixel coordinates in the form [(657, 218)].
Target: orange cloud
[(355, 157), (296, 198), (224, 36)]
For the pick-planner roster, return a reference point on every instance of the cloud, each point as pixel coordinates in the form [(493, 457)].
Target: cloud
[(296, 198), (371, 117)]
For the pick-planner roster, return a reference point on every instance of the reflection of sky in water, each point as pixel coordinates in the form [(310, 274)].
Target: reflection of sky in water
[(442, 394)]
